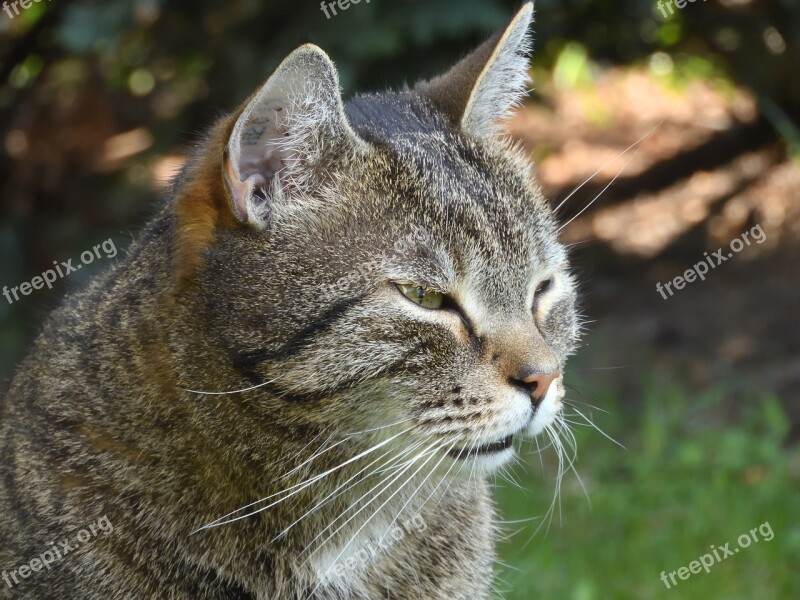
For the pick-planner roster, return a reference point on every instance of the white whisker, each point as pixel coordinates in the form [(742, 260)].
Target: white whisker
[(335, 493), (598, 429), (253, 387), (378, 428), (394, 478), (297, 488), (414, 493), (608, 185), (608, 162), (430, 454)]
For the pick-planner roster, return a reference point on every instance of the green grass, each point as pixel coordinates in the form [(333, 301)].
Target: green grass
[(692, 475)]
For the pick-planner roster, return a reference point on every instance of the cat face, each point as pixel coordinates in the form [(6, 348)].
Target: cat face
[(403, 270), (473, 301)]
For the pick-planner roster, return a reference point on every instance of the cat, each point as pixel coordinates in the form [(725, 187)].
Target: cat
[(296, 382)]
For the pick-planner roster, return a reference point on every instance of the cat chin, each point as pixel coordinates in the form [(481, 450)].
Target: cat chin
[(488, 463), (547, 410), (481, 464)]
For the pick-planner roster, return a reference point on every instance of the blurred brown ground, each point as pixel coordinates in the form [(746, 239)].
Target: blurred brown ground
[(709, 171)]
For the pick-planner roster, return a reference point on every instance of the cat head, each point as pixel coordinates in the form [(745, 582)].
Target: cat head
[(385, 262)]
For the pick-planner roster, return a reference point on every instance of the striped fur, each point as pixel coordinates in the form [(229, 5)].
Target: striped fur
[(297, 307)]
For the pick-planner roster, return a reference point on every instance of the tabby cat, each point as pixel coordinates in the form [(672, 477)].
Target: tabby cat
[(297, 381)]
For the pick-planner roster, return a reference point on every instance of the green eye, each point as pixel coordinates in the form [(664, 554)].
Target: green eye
[(419, 295)]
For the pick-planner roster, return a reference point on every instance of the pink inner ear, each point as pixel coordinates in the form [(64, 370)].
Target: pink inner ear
[(258, 147), (260, 161), (254, 156), (241, 190)]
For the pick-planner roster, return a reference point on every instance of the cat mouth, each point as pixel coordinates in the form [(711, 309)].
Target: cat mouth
[(486, 449)]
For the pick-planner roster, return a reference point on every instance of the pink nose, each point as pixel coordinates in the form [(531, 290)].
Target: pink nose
[(537, 384)]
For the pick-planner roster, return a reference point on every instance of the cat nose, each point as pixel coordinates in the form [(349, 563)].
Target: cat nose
[(536, 383)]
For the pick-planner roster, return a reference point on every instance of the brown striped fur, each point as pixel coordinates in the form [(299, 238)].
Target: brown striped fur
[(257, 276)]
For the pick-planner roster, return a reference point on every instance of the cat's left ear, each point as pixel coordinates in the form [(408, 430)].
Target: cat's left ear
[(481, 89), (287, 136)]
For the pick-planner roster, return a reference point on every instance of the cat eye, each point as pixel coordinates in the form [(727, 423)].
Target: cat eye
[(424, 297)]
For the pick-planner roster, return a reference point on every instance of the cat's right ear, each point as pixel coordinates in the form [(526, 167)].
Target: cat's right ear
[(483, 88), (286, 135)]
